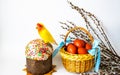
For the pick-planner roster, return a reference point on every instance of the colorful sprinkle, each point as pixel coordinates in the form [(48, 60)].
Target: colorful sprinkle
[(37, 49)]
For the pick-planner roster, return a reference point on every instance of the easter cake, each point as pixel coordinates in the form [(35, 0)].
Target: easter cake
[(38, 57)]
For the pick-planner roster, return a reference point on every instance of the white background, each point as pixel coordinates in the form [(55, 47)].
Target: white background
[(18, 19)]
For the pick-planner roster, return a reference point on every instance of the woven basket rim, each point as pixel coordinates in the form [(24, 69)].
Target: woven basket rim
[(77, 57)]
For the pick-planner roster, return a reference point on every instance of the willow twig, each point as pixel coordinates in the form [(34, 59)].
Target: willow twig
[(88, 25), (109, 55)]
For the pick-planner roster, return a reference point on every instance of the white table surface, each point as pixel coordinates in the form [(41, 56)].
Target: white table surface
[(16, 66)]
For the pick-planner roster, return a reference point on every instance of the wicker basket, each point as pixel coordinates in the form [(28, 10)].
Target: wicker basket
[(78, 63)]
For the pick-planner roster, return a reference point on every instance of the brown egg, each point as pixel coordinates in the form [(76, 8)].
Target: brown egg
[(79, 43), (71, 48)]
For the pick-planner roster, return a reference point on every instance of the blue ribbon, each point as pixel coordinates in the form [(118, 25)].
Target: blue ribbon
[(68, 40), (95, 51)]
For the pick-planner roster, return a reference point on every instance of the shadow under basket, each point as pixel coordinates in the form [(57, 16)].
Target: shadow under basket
[(78, 63)]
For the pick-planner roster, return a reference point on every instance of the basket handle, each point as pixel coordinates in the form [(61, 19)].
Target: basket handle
[(81, 28)]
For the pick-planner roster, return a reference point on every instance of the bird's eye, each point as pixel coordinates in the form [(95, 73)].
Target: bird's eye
[(39, 25)]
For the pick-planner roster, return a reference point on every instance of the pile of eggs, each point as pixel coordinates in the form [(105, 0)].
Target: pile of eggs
[(78, 46)]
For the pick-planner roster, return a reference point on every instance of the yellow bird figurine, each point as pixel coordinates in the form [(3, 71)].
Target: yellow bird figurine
[(45, 34)]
